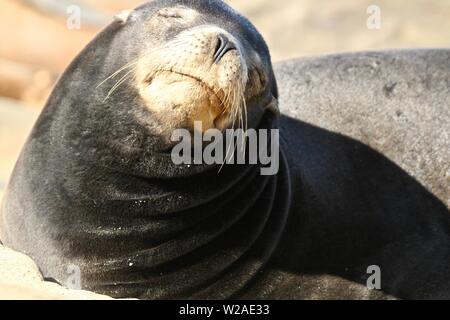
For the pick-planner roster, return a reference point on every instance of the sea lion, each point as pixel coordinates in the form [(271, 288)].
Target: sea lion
[(95, 186)]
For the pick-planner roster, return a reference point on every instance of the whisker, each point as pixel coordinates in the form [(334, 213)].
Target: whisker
[(241, 110), (232, 94), (128, 65), (244, 110), (239, 113), (118, 83)]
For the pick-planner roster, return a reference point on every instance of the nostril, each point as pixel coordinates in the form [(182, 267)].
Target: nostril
[(220, 42), (222, 47)]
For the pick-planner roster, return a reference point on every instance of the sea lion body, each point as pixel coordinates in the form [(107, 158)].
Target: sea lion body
[(95, 188), (367, 139)]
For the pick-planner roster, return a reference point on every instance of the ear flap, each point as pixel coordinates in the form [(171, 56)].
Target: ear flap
[(122, 17)]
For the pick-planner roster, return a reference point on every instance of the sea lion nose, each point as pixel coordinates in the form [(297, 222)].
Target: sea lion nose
[(223, 46)]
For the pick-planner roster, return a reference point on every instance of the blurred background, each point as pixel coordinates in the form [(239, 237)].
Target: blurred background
[(36, 43)]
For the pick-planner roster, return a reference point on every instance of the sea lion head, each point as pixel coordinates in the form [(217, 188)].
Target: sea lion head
[(197, 61)]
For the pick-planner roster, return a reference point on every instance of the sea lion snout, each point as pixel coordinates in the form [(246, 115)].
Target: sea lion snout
[(199, 75)]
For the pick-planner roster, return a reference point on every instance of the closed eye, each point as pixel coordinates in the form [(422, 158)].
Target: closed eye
[(170, 15), (176, 13)]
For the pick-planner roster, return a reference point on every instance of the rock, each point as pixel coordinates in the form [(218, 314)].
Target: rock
[(20, 279)]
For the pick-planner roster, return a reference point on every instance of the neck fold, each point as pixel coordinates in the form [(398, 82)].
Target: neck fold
[(202, 236)]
